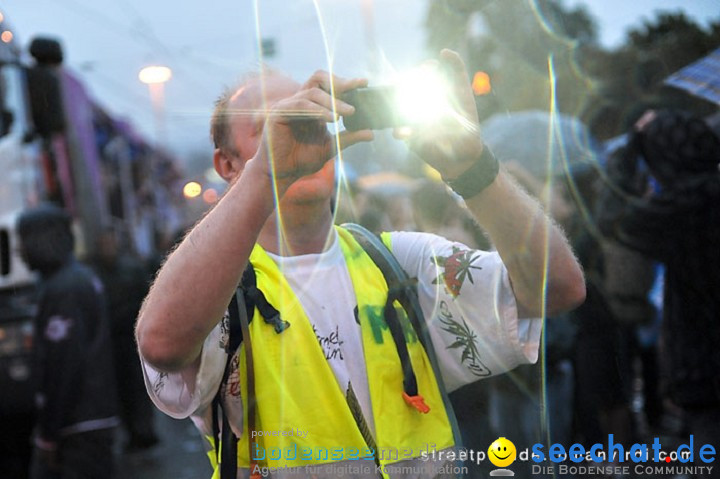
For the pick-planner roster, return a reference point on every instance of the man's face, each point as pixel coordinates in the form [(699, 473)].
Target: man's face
[(248, 107)]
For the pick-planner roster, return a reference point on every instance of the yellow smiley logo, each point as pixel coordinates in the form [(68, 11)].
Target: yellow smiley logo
[(502, 452)]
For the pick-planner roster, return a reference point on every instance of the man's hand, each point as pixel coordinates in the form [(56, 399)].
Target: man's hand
[(296, 141), (452, 145), (538, 259)]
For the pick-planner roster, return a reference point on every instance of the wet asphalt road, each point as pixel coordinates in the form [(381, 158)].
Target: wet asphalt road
[(179, 455)]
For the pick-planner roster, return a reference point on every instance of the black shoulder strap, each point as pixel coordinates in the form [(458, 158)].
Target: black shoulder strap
[(404, 290), (225, 439), (241, 310), (399, 284), (399, 288), (255, 298)]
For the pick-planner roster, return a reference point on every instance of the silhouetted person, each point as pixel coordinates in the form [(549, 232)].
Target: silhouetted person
[(72, 355), (665, 204), (126, 281)]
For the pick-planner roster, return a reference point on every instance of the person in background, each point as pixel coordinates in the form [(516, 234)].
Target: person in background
[(530, 403), (126, 282), (72, 355), (663, 202), (601, 404)]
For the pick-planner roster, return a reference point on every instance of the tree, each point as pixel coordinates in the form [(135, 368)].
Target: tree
[(629, 80), (516, 42), (534, 49)]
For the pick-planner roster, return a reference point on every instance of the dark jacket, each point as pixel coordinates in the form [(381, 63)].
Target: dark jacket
[(680, 226), (75, 378)]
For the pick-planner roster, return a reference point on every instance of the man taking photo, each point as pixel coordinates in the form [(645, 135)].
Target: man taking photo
[(330, 370)]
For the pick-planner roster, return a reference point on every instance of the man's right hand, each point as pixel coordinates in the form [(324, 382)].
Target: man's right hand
[(296, 141)]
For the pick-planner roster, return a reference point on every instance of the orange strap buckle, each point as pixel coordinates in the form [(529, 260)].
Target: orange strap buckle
[(417, 402), (254, 472)]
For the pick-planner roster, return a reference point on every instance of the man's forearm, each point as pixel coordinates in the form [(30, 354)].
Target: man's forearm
[(533, 249), (194, 286)]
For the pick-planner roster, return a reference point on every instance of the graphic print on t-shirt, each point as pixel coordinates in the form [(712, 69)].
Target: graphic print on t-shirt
[(331, 343), (456, 268), (466, 339)]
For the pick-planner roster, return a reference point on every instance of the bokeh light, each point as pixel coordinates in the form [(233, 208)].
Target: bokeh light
[(192, 189), (210, 196), (481, 83)]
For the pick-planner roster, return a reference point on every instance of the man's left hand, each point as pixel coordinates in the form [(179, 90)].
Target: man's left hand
[(452, 144)]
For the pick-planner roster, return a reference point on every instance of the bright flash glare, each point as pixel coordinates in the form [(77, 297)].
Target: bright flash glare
[(423, 96)]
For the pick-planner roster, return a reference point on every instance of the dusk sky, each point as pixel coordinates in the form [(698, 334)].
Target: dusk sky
[(209, 44)]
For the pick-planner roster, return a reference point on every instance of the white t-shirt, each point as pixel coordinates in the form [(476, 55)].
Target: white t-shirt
[(465, 296)]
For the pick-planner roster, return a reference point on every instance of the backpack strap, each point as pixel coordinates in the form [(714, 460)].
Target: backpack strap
[(241, 310), (404, 289), (225, 439), (256, 299), (250, 380)]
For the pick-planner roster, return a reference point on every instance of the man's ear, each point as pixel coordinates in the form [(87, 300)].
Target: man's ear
[(224, 165)]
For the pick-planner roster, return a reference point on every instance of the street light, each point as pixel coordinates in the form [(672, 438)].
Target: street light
[(155, 77)]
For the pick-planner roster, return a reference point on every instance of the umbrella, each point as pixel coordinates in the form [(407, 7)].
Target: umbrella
[(540, 141), (701, 78)]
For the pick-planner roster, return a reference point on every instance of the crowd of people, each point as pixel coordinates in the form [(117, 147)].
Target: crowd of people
[(636, 359)]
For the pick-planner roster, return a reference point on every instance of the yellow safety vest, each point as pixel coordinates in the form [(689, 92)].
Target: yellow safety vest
[(296, 389)]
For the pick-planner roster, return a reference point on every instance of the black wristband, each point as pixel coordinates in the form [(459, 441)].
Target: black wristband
[(478, 177)]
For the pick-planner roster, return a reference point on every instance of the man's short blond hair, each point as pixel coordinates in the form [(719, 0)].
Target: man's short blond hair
[(220, 120)]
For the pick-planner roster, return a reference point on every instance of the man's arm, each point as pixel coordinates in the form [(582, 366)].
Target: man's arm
[(533, 249), (194, 286)]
